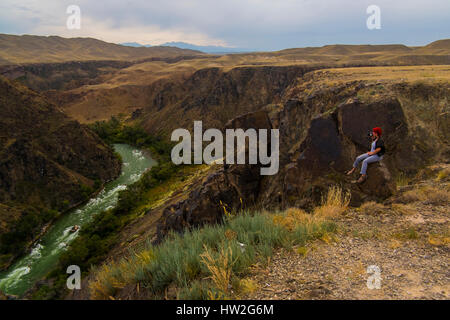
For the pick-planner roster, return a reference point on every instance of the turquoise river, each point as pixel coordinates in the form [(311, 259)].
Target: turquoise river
[(43, 257)]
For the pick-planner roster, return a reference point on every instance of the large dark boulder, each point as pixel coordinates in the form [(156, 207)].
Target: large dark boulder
[(405, 152), (333, 141), (379, 185)]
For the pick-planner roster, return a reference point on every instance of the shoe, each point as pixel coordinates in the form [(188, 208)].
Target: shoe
[(361, 179)]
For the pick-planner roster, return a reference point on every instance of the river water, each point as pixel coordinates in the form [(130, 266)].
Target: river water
[(44, 256)]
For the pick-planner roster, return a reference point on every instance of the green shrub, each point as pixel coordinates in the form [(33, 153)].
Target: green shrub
[(28, 225), (186, 260)]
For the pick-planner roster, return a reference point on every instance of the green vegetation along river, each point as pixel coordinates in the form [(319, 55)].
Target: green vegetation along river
[(44, 256)]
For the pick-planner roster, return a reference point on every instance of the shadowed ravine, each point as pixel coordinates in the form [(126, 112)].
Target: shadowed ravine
[(44, 255)]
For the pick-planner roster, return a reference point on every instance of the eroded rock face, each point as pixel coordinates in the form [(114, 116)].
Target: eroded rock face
[(318, 145), (216, 96), (231, 187), (205, 205), (331, 145)]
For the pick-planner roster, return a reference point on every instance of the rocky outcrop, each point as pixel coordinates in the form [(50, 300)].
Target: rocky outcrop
[(333, 141), (317, 148), (41, 147), (321, 133)]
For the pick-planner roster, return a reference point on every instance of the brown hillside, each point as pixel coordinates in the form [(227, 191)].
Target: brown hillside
[(439, 44), (37, 49)]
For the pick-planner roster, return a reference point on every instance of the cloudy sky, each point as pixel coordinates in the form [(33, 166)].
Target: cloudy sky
[(252, 24)]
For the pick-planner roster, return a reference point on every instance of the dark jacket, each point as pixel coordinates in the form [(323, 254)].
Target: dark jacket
[(379, 144)]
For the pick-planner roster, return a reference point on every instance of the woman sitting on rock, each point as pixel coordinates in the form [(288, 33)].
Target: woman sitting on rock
[(375, 154)]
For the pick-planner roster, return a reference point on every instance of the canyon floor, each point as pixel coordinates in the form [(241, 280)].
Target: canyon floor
[(408, 242)]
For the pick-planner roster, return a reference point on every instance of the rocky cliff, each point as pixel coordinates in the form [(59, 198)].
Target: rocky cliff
[(323, 117), (321, 132), (217, 96)]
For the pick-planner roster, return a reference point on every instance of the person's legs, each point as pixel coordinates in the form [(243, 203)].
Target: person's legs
[(359, 159), (368, 160), (356, 163)]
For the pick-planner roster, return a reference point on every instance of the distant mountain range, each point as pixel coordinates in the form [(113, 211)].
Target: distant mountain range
[(189, 46), (25, 49)]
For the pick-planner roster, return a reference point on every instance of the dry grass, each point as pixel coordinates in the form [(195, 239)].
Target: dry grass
[(394, 244), (438, 240), (302, 250), (409, 233), (293, 217), (403, 209), (433, 195), (391, 73), (443, 175), (105, 285), (220, 267), (409, 196), (247, 286), (334, 204), (372, 208), (402, 180), (426, 194), (109, 279)]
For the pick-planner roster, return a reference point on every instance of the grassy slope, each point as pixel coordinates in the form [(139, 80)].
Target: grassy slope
[(233, 260), (209, 263)]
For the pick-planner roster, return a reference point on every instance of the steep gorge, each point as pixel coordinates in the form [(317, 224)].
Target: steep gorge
[(51, 162), (48, 163), (323, 126), (321, 132)]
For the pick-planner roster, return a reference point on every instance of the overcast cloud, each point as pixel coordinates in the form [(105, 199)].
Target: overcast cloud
[(255, 24)]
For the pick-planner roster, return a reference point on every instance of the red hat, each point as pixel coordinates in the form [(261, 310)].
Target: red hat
[(377, 130)]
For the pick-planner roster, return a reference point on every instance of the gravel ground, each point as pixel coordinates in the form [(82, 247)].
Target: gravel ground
[(411, 251)]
